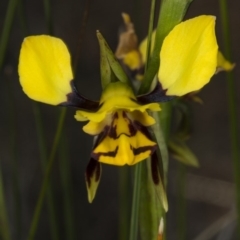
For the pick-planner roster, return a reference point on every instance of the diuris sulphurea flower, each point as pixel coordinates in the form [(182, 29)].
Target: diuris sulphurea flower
[(118, 119), (120, 122)]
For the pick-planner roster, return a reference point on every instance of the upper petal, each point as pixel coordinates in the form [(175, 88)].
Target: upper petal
[(45, 69), (188, 57)]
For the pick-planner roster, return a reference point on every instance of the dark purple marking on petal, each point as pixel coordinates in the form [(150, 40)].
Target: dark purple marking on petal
[(101, 136), (75, 99), (112, 154), (157, 95), (93, 167), (131, 127), (137, 151), (143, 130), (112, 131)]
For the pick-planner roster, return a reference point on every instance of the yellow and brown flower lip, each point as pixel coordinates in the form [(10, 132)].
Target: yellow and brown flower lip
[(120, 125)]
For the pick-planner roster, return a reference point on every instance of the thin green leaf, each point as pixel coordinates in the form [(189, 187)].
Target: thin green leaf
[(67, 184), (44, 187)]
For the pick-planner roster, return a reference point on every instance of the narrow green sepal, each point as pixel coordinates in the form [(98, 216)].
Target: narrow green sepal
[(93, 175), (158, 179), (153, 204), (111, 69), (181, 152)]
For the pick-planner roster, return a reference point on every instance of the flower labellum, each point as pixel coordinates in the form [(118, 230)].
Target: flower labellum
[(121, 125)]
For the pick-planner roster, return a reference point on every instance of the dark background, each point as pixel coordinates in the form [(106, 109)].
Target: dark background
[(209, 189)]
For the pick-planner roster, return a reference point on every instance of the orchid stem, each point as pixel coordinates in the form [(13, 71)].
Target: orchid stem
[(65, 172), (138, 168), (124, 206), (43, 157), (232, 99), (44, 187), (135, 204)]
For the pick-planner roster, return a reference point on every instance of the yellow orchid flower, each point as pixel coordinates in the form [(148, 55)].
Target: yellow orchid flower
[(118, 119), (188, 60)]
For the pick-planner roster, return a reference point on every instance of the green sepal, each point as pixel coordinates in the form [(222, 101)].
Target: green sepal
[(153, 203), (181, 152), (93, 175), (154, 197), (171, 13), (111, 70)]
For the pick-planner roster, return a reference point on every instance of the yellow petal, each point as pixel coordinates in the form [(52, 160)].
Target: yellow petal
[(45, 69), (188, 57), (143, 46), (95, 128), (124, 142), (223, 64), (143, 117), (121, 151)]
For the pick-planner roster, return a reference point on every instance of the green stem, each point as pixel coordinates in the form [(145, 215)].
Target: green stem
[(67, 189), (44, 187), (43, 157), (135, 203), (138, 168), (6, 28), (232, 99), (124, 206)]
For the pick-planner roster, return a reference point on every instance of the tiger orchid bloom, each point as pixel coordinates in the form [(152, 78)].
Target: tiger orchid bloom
[(120, 121)]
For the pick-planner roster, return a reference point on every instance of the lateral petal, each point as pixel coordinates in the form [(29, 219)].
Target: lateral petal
[(45, 69), (188, 57)]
